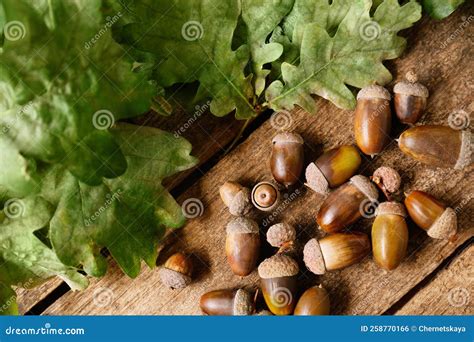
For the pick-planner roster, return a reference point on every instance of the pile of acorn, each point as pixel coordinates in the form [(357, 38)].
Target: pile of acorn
[(336, 169)]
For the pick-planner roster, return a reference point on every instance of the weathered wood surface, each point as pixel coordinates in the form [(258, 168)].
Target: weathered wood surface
[(445, 65), (449, 293), (208, 135)]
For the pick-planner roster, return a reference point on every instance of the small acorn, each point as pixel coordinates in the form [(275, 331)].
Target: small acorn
[(227, 303), (242, 245), (176, 272), (410, 99), (313, 302), (332, 169), (265, 196), (287, 158), (431, 215), (372, 120), (281, 234), (236, 198), (436, 145), (345, 205), (389, 235), (387, 179), (335, 251), (278, 276)]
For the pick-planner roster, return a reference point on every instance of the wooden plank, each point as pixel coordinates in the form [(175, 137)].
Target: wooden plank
[(361, 289), (449, 293), (208, 134)]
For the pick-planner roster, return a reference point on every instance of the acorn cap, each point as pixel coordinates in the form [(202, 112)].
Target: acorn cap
[(288, 137), (365, 186), (240, 204), (243, 303), (391, 208), (373, 92), (464, 158), (242, 225), (315, 179), (410, 86), (264, 313), (277, 266), (280, 233), (389, 177), (445, 226), (174, 279), (313, 257)]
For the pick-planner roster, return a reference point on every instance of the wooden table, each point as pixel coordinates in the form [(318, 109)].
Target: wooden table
[(437, 277)]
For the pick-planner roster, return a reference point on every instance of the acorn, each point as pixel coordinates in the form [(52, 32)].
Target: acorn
[(313, 302), (242, 245), (410, 99), (176, 272), (278, 276), (287, 158), (439, 221), (437, 145), (387, 179), (265, 196), (335, 251), (281, 234), (332, 169), (236, 198), (227, 303), (372, 120), (345, 205), (389, 235)]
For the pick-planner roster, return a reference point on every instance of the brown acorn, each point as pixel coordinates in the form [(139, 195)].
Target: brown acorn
[(176, 272), (389, 235), (345, 205), (278, 276), (287, 158), (314, 301), (410, 99), (431, 215), (265, 196), (387, 179), (372, 120), (436, 145), (236, 198), (333, 168), (242, 245), (227, 303), (280, 234), (335, 251)]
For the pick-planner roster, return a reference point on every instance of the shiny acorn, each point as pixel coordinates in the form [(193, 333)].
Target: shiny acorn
[(332, 168), (227, 303), (177, 271), (278, 275), (389, 235), (410, 98), (313, 302), (431, 215), (372, 119), (345, 205), (242, 245), (265, 196), (287, 158), (335, 251), (236, 198), (437, 145)]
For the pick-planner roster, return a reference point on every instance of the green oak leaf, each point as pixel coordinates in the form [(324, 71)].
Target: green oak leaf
[(8, 305), (192, 41), (353, 56), (128, 214), (261, 18), (440, 9), (63, 82)]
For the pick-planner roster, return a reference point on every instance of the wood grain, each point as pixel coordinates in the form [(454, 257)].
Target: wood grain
[(449, 293), (446, 69)]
